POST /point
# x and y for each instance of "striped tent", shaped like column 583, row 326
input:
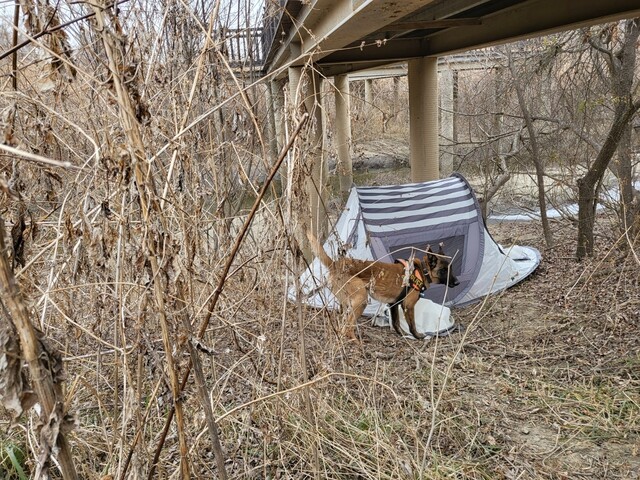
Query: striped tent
column 389, row 222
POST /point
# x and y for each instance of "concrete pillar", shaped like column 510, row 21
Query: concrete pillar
column 290, row 187
column 396, row 93
column 305, row 93
column 447, row 128
column 423, row 119
column 296, row 96
column 343, row 134
column 275, row 91
column 317, row 181
column 272, row 138
column 498, row 120
column 277, row 98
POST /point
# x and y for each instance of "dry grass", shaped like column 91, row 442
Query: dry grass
column 543, row 384
column 125, row 263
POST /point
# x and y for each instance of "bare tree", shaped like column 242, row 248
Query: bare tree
column 618, row 45
column 536, row 154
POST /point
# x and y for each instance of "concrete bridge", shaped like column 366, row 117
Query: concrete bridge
column 325, row 39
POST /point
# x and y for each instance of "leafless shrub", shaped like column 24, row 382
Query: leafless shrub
column 142, row 253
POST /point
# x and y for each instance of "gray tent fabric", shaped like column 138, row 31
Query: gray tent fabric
column 389, row 222
column 401, row 218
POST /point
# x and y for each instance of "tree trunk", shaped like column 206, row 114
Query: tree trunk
column 535, row 154
column 623, row 170
column 586, row 185
column 622, row 70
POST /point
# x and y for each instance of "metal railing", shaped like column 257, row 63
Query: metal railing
column 250, row 47
column 244, row 47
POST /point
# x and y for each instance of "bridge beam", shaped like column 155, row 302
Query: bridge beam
column 332, row 24
column 423, row 119
column 521, row 20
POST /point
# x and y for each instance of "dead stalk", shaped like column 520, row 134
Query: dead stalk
column 211, row 305
column 202, row 387
column 305, row 376
column 41, row 361
column 149, row 205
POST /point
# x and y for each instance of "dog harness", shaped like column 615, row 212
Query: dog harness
column 416, row 280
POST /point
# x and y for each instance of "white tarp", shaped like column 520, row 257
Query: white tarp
column 500, row 271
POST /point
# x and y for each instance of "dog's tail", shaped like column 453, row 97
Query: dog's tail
column 318, row 250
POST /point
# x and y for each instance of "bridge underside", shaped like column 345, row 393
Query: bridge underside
column 339, row 37
column 349, row 35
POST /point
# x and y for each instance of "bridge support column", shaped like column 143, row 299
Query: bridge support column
column 275, row 97
column 423, row 119
column 368, row 95
column 308, row 90
column 272, row 138
column 447, row 87
column 316, row 185
column 343, row 134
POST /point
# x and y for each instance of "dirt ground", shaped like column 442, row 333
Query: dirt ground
column 542, row 383
column 550, row 368
column 552, row 364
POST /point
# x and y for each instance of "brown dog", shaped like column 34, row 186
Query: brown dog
column 350, row 280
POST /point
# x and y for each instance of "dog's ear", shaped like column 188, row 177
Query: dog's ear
column 432, row 260
column 441, row 251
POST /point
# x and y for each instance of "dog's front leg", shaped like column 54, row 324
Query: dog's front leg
column 395, row 318
column 409, row 312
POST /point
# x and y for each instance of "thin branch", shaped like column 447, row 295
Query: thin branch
column 32, row 157
column 18, row 46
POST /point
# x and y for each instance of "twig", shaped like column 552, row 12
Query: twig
column 18, row 46
column 202, row 388
column 32, row 157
